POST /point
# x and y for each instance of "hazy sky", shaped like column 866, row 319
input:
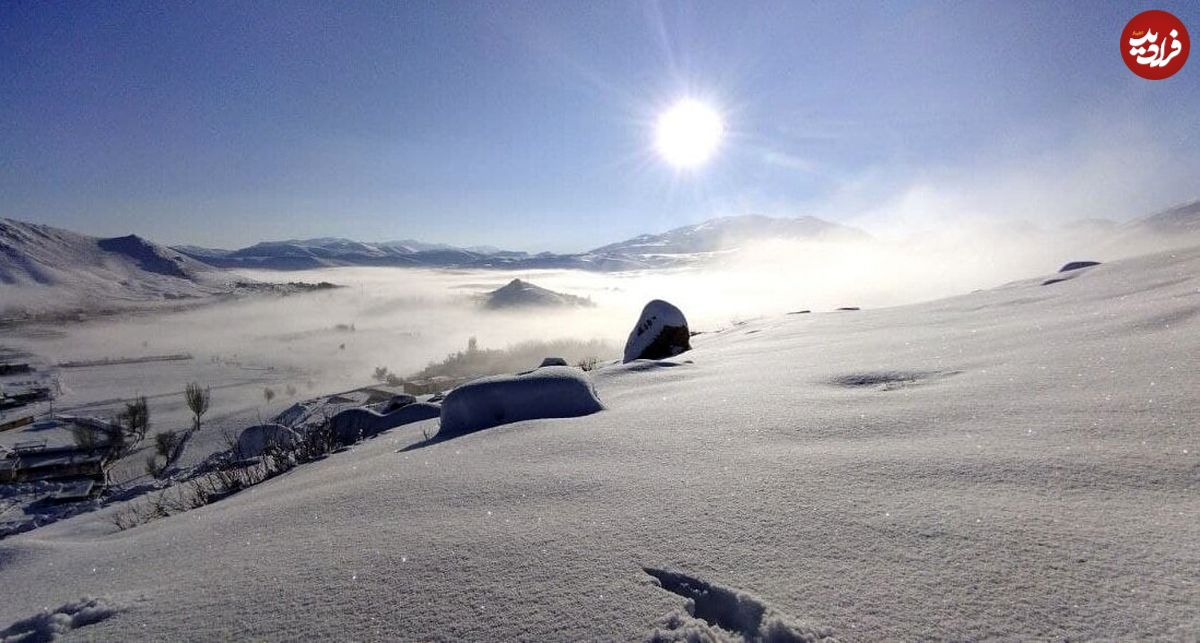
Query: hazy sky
column 529, row 125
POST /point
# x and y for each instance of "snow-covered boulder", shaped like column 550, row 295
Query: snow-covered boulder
column 553, row 361
column 353, row 425
column 661, row 331
column 254, row 440
column 550, row 392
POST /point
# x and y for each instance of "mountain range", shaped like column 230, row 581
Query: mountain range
column 682, row 245
column 43, row 268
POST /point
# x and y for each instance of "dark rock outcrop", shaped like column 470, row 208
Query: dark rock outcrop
column 661, row 332
column 1076, row 265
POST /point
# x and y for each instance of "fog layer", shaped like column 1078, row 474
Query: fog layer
column 405, row 318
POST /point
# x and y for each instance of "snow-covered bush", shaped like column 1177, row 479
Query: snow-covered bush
column 256, row 439
column 353, row 425
column 550, row 392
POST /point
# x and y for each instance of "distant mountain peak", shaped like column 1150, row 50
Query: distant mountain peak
column 523, row 294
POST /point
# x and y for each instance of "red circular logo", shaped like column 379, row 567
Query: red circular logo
column 1155, row 45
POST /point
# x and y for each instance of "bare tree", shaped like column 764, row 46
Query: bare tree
column 165, row 446
column 197, row 401
column 127, row 430
column 136, row 420
column 165, row 443
column 268, row 394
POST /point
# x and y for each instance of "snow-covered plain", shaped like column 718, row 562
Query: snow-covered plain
column 1020, row 462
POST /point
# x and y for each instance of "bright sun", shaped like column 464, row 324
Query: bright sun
column 688, row 133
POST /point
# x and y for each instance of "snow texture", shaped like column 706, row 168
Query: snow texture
column 549, row 392
column 48, row 626
column 1047, row 491
column 661, row 331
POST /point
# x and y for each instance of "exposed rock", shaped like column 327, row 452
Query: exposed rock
column 553, row 361
column 661, row 332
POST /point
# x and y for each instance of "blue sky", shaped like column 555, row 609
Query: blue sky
column 529, row 125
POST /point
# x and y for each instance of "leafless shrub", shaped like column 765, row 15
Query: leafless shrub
column 165, row 443
column 153, row 468
column 197, row 401
column 224, row 481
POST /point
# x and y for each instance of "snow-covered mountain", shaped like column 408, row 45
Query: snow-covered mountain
column 43, row 269
column 303, row 254
column 728, row 233
column 687, row 244
column 411, row 246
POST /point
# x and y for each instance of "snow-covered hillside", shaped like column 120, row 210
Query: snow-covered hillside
column 1016, row 463
column 46, row 269
column 1181, row 220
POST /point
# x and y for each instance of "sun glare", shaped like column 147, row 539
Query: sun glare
column 688, row 133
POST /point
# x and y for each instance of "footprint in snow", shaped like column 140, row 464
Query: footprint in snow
column 719, row 614
column 888, row 380
column 48, row 626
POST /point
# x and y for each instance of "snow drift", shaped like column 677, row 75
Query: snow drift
column 549, row 392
